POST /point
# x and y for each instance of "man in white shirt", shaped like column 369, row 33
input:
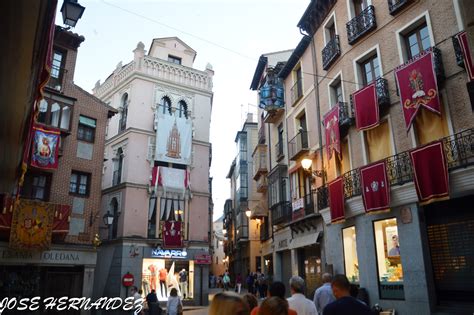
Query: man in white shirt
column 298, row 301
column 323, row 295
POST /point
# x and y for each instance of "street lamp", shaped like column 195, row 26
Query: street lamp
column 108, row 221
column 248, row 213
column 224, row 231
column 306, row 163
column 72, row 12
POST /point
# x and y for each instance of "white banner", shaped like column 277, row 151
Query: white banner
column 172, row 179
column 173, row 138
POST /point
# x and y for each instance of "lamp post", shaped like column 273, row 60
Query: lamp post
column 72, row 12
column 306, row 163
column 248, row 213
column 108, row 221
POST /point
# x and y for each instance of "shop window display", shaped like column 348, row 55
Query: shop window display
column 162, row 275
column 388, row 259
column 351, row 262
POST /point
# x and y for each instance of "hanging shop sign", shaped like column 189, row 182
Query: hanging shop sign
column 203, row 259
column 169, row 253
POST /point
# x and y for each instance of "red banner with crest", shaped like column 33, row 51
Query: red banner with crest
column 45, row 148
column 375, row 187
column 431, row 173
column 418, row 87
column 336, row 200
column 466, row 53
column 366, row 107
column 331, row 127
column 172, row 234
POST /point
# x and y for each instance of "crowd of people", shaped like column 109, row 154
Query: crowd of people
column 334, row 297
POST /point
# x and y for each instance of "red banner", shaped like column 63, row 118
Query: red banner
column 331, row 127
column 6, row 213
column 366, row 107
column 172, row 236
column 430, row 172
column 417, row 84
column 336, row 200
column 468, row 63
column 375, row 187
column 61, row 221
column 45, row 148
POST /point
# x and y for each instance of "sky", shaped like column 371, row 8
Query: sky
column 229, row 34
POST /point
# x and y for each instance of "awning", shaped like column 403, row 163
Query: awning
column 305, row 240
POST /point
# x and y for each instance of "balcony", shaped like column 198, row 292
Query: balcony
column 361, row 24
column 117, row 177
column 264, row 230
column 279, row 154
column 272, row 95
column 298, row 145
column 296, row 91
column 381, row 89
column 395, row 6
column 458, row 52
column 281, row 212
column 345, row 115
column 331, row 52
column 259, row 161
column 262, row 184
column 56, row 80
column 458, row 148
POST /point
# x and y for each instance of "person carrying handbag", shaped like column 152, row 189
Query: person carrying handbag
column 174, row 306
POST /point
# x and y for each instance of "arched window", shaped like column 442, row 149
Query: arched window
column 117, row 177
column 123, row 113
column 183, row 109
column 115, row 212
column 165, row 103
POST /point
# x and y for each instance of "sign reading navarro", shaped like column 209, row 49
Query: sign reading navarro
column 168, row 253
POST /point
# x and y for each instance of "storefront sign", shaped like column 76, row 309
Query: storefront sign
column 283, row 244
column 47, row 257
column 203, row 259
column 168, row 253
column 392, row 291
column 128, row 280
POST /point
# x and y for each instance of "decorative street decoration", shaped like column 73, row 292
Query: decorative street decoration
column 366, row 107
column 331, row 127
column 336, row 200
column 172, row 237
column 45, row 148
column 375, row 187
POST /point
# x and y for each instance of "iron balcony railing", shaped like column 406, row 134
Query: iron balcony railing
column 331, row 52
column 381, row 89
column 308, row 203
column 117, row 177
column 279, row 150
column 361, row 24
column 56, row 80
column 281, row 212
column 345, row 115
column 458, row 51
column 394, row 6
column 458, row 149
column 296, row 91
column 298, row 145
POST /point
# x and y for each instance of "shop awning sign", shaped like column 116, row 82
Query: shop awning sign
column 203, row 259
column 168, row 253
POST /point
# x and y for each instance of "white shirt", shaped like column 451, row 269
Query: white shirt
column 302, row 305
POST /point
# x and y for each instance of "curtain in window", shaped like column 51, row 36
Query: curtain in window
column 430, row 126
column 378, row 142
column 55, row 111
column 65, row 117
column 343, row 161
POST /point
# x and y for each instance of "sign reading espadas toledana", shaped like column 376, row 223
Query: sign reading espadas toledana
column 127, row 280
column 203, row 259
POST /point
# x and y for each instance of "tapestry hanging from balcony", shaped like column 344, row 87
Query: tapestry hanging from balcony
column 32, row 225
column 375, row 187
column 416, row 81
column 6, row 202
column 336, row 200
column 430, row 172
column 173, row 138
column 466, row 53
column 61, row 221
column 366, row 107
column 172, row 235
column 45, row 148
column 331, row 128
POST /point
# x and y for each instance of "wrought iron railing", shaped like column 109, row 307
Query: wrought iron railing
column 458, row 52
column 383, row 95
column 308, row 203
column 298, row 144
column 438, row 65
column 281, row 212
column 279, row 150
column 117, row 177
column 296, row 91
column 345, row 114
column 459, row 152
column 394, row 6
column 330, row 52
column 361, row 24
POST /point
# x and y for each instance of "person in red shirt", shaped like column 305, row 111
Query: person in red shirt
column 163, row 274
column 277, row 289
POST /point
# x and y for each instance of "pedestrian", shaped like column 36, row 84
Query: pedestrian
column 174, row 305
column 137, row 299
column 238, row 282
column 228, row 303
column 262, row 285
column 298, row 301
column 323, row 295
column 226, row 281
column 183, row 282
column 277, row 289
column 345, row 303
column 152, row 302
column 274, row 306
column 251, row 301
column 249, row 281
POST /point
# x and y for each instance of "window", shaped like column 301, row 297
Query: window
column 58, row 59
column 174, row 59
column 165, row 103
column 86, row 129
column 123, row 113
column 330, row 31
column 336, row 94
column 303, row 130
column 417, row 40
column 118, row 165
column 389, row 265
column 79, row 183
column 280, row 141
column 54, row 113
column 183, row 109
column 370, row 69
column 351, row 262
column 36, row 186
column 359, row 6
column 299, row 82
